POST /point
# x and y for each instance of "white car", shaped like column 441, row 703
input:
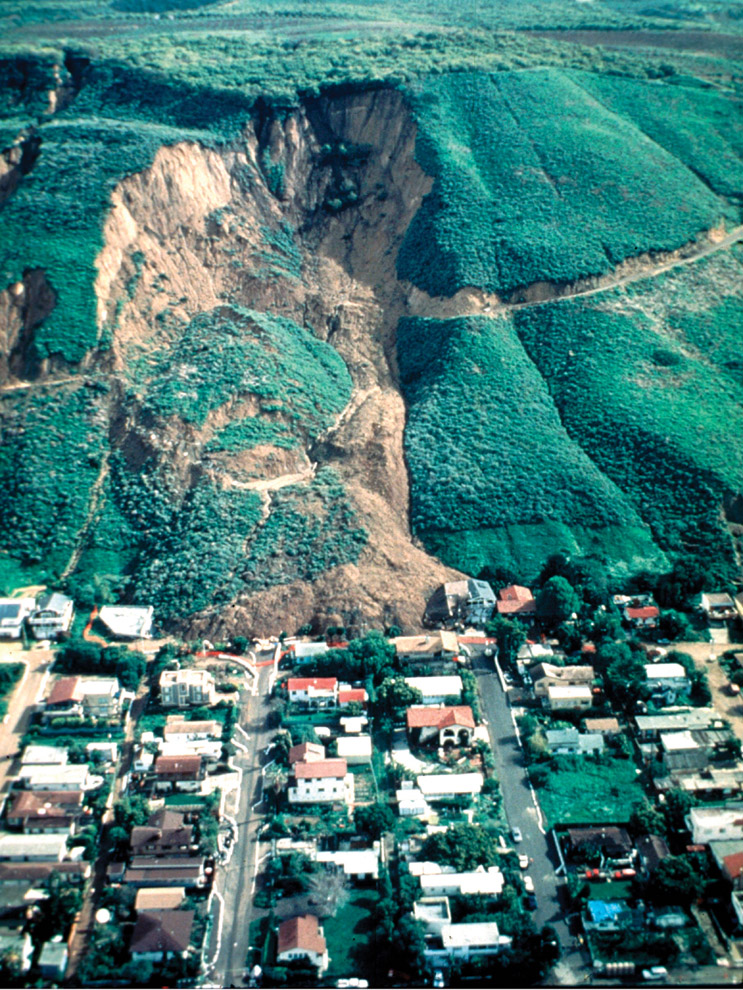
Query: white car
column 438, row 978
column 528, row 885
column 523, row 861
column 655, row 973
column 516, row 833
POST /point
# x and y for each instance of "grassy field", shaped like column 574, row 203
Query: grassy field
column 347, row 934
column 590, row 792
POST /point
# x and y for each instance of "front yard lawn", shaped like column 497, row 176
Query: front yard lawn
column 589, row 791
column 347, row 934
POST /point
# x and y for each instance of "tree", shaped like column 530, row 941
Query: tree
column 131, row 811
column 57, row 911
column 509, row 636
column 646, row 819
column 626, row 680
column 374, row 819
column 674, row 881
column 464, row 847
column 330, row 890
column 557, row 601
column 674, row 625
column 373, row 655
column 605, row 627
column 394, row 697
column 675, row 809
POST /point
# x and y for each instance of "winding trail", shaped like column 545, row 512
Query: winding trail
column 472, row 302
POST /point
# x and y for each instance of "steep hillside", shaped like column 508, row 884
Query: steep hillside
column 273, row 356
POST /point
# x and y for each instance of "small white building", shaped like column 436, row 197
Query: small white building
column 716, row 822
column 128, row 621
column 666, row 679
column 43, row 847
column 466, row 941
column 437, row 690
column 187, row 688
column 435, row 786
column 72, row 777
column 569, row 697
column 101, row 697
column 357, row 864
column 315, row 692
column 39, row 756
column 410, row 801
column 306, row 651
column 475, row 883
column 355, row 749
column 563, row 742
column 321, row 782
column 13, row 613
column 178, row 730
column 52, row 617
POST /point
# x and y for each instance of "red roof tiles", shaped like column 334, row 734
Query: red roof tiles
column 316, row 683
column 300, row 933
column 440, row 718
column 320, row 768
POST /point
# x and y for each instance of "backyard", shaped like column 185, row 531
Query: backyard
column 589, row 791
column 348, row 934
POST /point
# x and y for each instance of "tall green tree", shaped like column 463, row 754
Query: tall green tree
column 557, row 601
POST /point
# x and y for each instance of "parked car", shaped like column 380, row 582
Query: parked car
column 528, row 885
column 438, row 979
column 523, row 861
column 516, row 833
column 655, row 974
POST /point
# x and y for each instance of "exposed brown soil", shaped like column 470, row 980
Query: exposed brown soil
column 197, row 223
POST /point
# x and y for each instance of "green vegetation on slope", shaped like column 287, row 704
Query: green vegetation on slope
column 233, row 351
column 645, row 378
column 535, row 179
column 50, row 457
column 492, row 468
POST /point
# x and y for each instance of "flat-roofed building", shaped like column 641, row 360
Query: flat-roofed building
column 437, row 690
column 435, row 786
column 187, row 688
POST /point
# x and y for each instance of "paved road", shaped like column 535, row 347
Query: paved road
column 235, row 883
column 521, row 811
column 21, row 704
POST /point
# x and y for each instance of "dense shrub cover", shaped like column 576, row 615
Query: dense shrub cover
column 535, row 179
column 491, row 464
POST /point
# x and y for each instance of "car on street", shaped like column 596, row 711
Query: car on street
column 438, row 979
column 516, row 833
column 528, row 885
column 523, row 861
column 655, row 974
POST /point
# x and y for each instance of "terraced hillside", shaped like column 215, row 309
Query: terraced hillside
column 300, row 316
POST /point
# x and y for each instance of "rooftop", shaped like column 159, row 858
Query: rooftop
column 440, row 718
column 162, row 931
column 302, row 932
column 320, row 768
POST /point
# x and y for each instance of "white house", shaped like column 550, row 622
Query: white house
column 437, row 690
column 49, row 847
column 39, row 756
column 13, row 613
column 666, row 679
column 178, row 730
column 355, row 749
column 435, row 786
column 410, row 801
column 569, row 697
column 73, row 777
column 128, row 621
column 718, row 607
column 358, row 864
column 321, row 782
column 454, row 725
column 474, row 883
column 53, row 616
column 708, row 824
column 465, row 941
column 187, row 688
column 316, row 692
column 572, row 742
column 302, row 938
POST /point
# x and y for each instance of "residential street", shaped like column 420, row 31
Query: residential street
column 21, row 702
column 235, row 883
column 521, row 812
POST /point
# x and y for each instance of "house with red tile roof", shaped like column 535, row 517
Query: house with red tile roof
column 302, row 938
column 321, row 782
column 347, row 695
column 515, row 600
column 315, row 692
column 453, row 725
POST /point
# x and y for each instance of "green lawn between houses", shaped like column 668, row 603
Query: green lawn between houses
column 348, row 932
column 595, row 792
